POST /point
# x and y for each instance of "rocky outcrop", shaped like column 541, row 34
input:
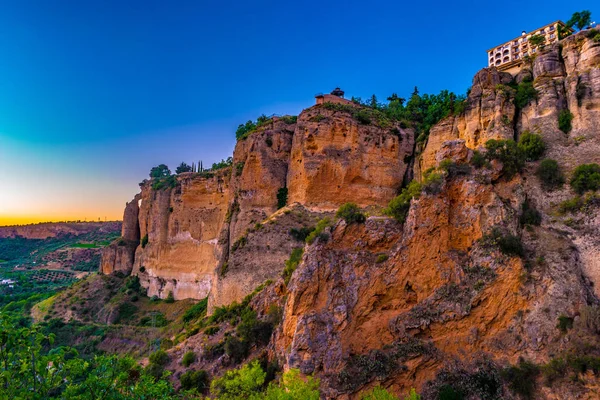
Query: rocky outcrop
column 181, row 226
column 260, row 166
column 336, row 159
column 489, row 114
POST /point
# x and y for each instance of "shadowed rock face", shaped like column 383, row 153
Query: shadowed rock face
column 335, row 160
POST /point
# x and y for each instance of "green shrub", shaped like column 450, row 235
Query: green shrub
column 525, row 94
column 478, row 160
column 154, row 370
column 379, row 393
column 318, row 232
column 432, row 182
column 211, row 330
column 126, row 311
column 300, row 234
column 188, row 358
column 550, row 174
column 196, row 311
column 507, row 243
column 398, row 207
column 571, row 205
column 239, row 168
column 240, row 243
column 236, row 349
column 292, row 263
column 529, row 215
column 564, row 323
column 282, row 196
column 144, row 241
column 532, row 146
column 241, row 383
column 381, row 258
column 586, row 177
column 453, row 169
column 564, row 121
column 508, row 153
column 159, row 357
column 521, row 378
column 350, row 212
column 195, row 380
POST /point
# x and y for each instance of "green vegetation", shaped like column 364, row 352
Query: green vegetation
column 170, row 298
column 292, row 263
column 529, row 215
column 245, row 130
column 379, row 393
column 300, row 234
column 507, row 243
column 580, row 19
column 564, row 323
column 537, row 40
column 144, row 241
column 250, row 382
column 161, row 171
column 452, row 169
column 550, row 174
column 183, row 167
column 564, row 120
column 282, row 196
column 586, row 177
column 222, row 164
column 531, row 145
column 318, row 232
column 239, row 168
column 196, row 311
column 508, row 153
column 521, row 378
column 525, row 93
column 350, row 212
column 381, row 258
column 27, row 353
column 399, row 205
column 197, row 380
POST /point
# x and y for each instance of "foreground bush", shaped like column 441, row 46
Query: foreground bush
column 248, row 382
column 197, row 380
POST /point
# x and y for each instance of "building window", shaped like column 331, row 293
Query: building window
column 552, row 36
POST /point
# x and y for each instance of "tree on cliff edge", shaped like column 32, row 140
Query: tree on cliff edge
column 160, row 172
column 183, row 167
column 580, row 19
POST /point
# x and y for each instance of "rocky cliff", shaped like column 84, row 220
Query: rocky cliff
column 471, row 280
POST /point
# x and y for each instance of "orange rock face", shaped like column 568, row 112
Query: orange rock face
column 182, row 226
column 335, row 160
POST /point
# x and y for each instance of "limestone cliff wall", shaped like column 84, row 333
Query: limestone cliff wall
column 182, row 226
column 335, row 159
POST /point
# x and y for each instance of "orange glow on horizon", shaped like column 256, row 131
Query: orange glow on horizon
column 7, row 220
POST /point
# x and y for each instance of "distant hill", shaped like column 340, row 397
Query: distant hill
column 53, row 229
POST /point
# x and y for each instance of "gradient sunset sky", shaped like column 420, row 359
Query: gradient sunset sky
column 95, row 93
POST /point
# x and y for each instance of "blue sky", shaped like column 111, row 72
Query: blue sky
column 95, row 93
